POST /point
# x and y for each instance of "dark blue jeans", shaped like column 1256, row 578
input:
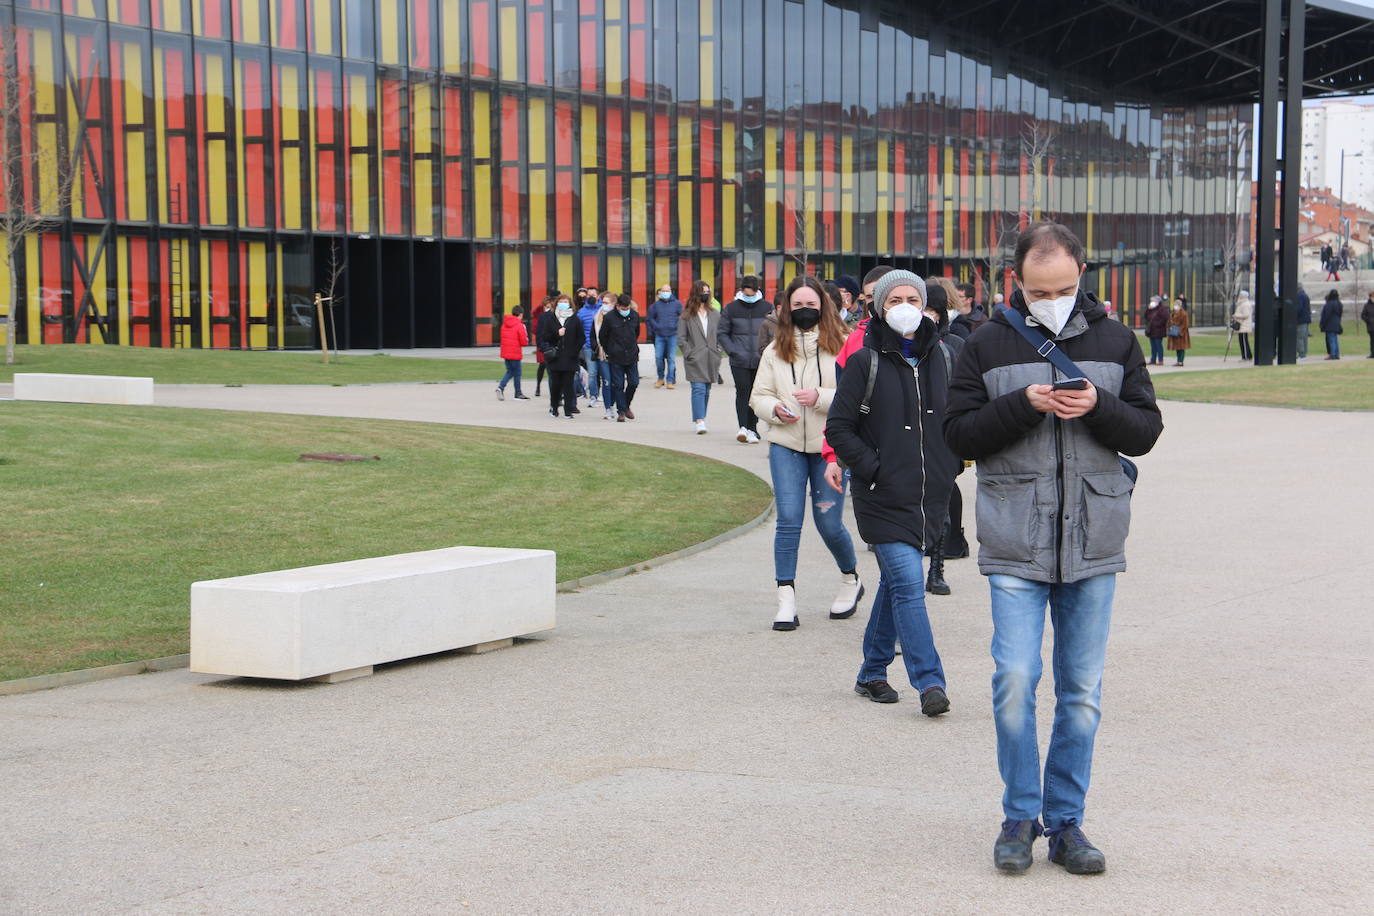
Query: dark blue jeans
column 1333, row 344
column 624, row 382
column 1156, row 349
column 792, row 473
column 513, row 370
column 899, row 612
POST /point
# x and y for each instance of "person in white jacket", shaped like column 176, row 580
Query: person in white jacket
column 792, row 392
column 1243, row 320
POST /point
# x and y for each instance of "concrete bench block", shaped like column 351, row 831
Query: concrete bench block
column 85, row 389
column 335, row 621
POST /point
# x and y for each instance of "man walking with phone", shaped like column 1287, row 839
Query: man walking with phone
column 1053, row 510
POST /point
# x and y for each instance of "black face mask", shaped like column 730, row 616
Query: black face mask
column 806, row 318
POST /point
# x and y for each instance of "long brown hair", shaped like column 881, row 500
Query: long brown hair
column 831, row 328
column 696, row 302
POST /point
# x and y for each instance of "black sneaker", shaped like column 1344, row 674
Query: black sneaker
column 1071, row 849
column 934, row 702
column 1012, row 851
column 877, row 691
column 520, row 397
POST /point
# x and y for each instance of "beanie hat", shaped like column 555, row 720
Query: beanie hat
column 893, row 279
column 846, row 282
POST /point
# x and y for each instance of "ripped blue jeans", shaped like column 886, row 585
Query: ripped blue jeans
column 792, row 472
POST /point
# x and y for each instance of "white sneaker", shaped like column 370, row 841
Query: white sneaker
column 500, row 394
column 847, row 599
column 742, row 435
column 787, row 609
column 701, row 427
column 608, row 415
column 751, row 437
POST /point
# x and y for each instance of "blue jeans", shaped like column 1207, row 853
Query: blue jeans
column 899, row 612
column 1333, row 344
column 665, row 351
column 1156, row 349
column 513, row 370
column 701, row 397
column 792, row 471
column 1303, row 331
column 601, row 371
column 1081, row 613
column 593, row 375
column 624, row 381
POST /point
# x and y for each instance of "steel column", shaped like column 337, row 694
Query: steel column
column 1265, row 200
column 1289, row 268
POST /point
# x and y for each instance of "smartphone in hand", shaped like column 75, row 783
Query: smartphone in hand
column 1070, row 384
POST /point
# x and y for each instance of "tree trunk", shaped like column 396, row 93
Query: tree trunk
column 10, row 328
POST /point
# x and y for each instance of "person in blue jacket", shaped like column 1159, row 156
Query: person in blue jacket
column 662, row 324
column 595, row 367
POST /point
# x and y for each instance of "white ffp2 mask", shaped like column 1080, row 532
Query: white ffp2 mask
column 1053, row 313
column 904, row 318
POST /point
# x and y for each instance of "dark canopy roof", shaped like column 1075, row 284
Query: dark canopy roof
column 1201, row 50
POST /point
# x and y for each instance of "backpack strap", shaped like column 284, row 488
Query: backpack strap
column 949, row 361
column 1042, row 344
column 868, row 385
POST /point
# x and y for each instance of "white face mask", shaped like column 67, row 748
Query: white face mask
column 904, row 318
column 1053, row 313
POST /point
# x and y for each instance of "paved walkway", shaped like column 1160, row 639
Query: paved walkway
column 664, row 751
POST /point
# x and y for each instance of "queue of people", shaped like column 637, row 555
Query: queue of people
column 885, row 392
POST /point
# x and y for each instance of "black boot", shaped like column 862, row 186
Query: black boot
column 935, row 580
column 955, row 545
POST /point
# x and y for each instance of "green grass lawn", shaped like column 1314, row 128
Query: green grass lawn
column 112, row 512
column 1347, row 384
column 246, row 367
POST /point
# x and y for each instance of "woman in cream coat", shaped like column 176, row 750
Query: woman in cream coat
column 792, row 392
column 1244, row 319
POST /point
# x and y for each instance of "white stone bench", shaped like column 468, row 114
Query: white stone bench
column 86, row 389
column 334, row 622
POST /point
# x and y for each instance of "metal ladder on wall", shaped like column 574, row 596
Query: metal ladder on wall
column 181, row 320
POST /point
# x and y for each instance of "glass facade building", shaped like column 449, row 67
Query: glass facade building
column 463, row 156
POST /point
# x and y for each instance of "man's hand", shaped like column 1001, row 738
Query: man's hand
column 1039, row 397
column 1070, row 404
column 807, row 397
column 834, row 475
column 560, row 331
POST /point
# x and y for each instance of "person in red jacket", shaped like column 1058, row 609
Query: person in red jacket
column 514, row 338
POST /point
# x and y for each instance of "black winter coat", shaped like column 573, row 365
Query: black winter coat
column 738, row 332
column 1332, row 312
column 620, row 338
column 567, row 349
column 1157, row 321
column 902, row 469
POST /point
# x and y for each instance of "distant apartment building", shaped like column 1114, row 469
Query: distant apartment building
column 1327, row 130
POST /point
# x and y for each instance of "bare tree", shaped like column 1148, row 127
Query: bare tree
column 1233, row 274
column 336, row 269
column 37, row 179
column 1008, row 214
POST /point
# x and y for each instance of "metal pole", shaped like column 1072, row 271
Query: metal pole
column 1289, row 275
column 1268, row 176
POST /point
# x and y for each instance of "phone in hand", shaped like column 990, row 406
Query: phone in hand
column 787, row 411
column 1070, row 384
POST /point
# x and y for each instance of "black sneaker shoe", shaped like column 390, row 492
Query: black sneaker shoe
column 1071, row 849
column 521, row 397
column 934, row 702
column 1012, row 851
column 877, row 691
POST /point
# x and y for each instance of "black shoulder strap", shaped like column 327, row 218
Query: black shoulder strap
column 949, row 361
column 868, row 386
column 1042, row 344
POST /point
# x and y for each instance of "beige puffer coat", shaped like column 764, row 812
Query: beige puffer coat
column 776, row 383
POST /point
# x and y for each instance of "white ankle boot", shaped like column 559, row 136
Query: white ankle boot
column 787, row 609
column 847, row 600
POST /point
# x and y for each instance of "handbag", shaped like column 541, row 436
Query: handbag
column 1177, row 331
column 1235, row 325
column 1050, row 351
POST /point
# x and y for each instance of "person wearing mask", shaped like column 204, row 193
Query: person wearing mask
column 1053, row 515
column 851, row 309
column 1303, row 306
column 514, row 339
column 662, row 324
column 1367, row 316
column 1333, row 311
column 1156, row 329
column 936, row 308
column 560, row 340
column 586, row 315
column 620, row 342
column 1178, row 330
column 969, row 315
column 603, row 368
column 738, row 334
column 696, row 328
column 1243, row 323
column 852, row 344
column 902, row 472
column 792, row 391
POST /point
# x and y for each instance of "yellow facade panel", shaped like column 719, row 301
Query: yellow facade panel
column 727, row 216
column 615, row 60
column 591, row 139
column 684, row 212
column 639, row 211
column 511, row 41
column 685, row 146
column 539, row 193
column 639, row 142
column 481, row 125
column 423, row 182
column 481, row 201
column 538, row 134
column 590, row 211
column 511, row 280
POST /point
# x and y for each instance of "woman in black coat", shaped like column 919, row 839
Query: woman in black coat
column 1332, row 313
column 560, row 338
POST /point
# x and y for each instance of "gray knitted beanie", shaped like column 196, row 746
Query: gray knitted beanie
column 893, row 279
